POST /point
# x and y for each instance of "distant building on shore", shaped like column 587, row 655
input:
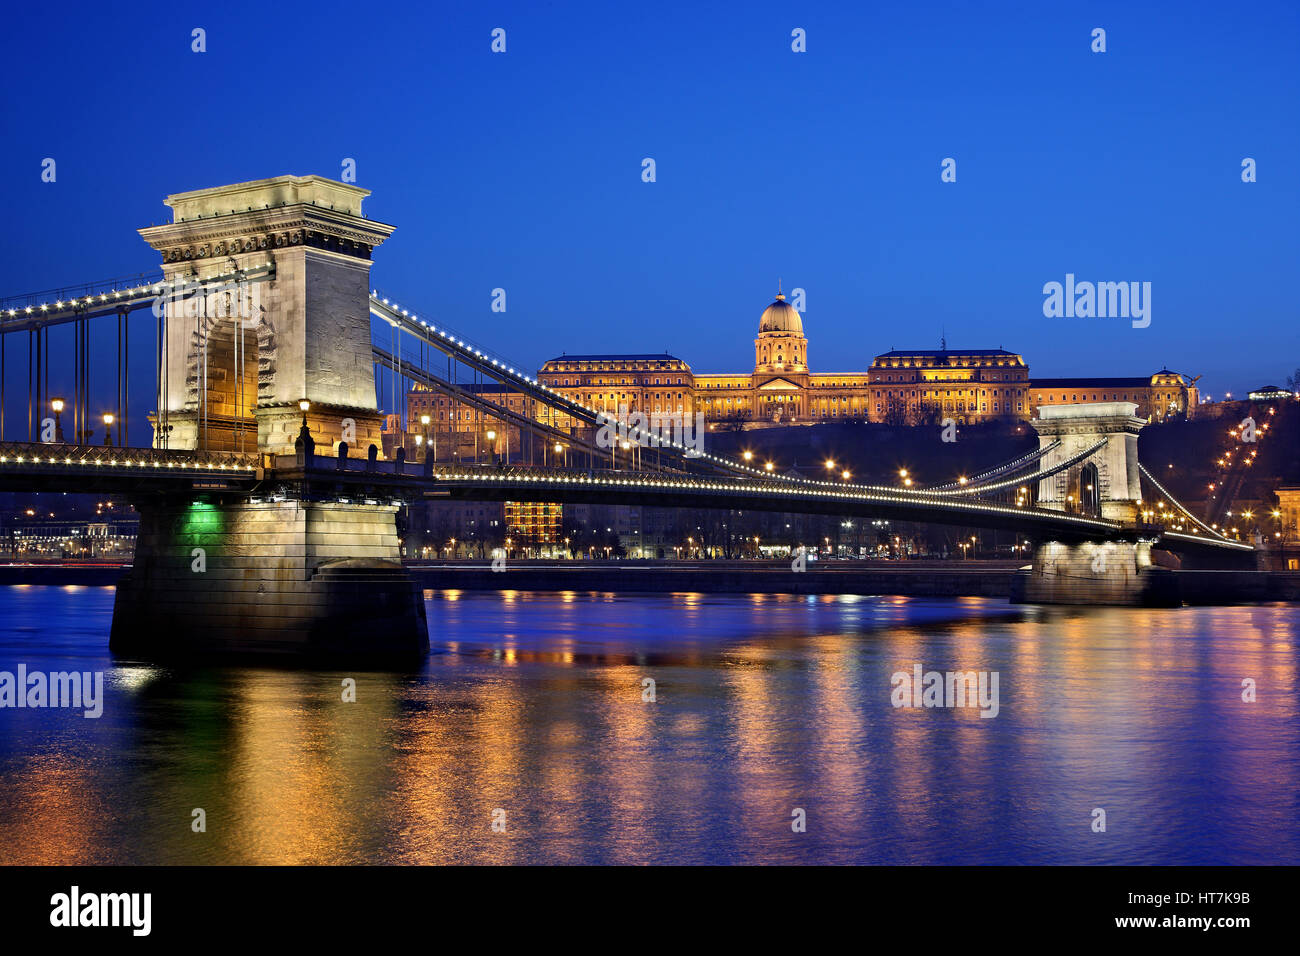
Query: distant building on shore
column 1271, row 393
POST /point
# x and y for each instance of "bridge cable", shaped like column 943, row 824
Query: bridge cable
column 1037, row 476
column 1178, row 504
column 998, row 471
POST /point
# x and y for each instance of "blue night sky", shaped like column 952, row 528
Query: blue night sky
column 523, row 170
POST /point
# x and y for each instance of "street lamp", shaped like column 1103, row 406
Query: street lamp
column 830, row 464
column 769, row 466
column 303, row 405
column 57, row 405
column 108, row 428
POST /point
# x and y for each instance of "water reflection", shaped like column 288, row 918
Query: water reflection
column 532, row 704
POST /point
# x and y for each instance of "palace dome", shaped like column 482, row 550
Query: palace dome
column 780, row 316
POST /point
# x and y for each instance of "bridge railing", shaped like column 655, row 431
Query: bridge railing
column 59, row 453
column 81, row 291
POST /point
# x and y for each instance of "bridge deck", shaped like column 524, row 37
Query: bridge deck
column 53, row 467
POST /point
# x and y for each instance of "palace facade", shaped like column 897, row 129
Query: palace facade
column 1162, row 396
column 901, row 386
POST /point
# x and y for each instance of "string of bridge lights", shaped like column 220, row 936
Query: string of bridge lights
column 130, row 294
column 892, row 496
column 1178, row 504
column 970, row 484
column 127, row 463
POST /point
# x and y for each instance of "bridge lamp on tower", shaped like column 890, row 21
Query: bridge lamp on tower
column 108, row 428
column 57, row 405
column 305, row 446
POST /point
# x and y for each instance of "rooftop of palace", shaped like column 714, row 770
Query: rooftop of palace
column 617, row 357
column 1139, row 382
column 947, row 356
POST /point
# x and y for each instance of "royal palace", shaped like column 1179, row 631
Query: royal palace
column 901, row 386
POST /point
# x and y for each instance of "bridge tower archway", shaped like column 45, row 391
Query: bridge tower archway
column 231, row 370
column 1090, row 490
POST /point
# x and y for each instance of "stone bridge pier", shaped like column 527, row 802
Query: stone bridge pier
column 291, row 570
column 1107, row 485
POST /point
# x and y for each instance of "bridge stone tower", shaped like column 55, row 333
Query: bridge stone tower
column 300, row 568
column 1106, row 484
column 239, row 358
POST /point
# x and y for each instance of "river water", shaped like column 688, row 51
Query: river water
column 771, row 714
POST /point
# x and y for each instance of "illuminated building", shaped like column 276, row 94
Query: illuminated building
column 902, row 386
column 1271, row 393
column 653, row 384
column 921, row 386
column 1162, row 396
column 906, row 387
column 462, row 431
column 533, row 526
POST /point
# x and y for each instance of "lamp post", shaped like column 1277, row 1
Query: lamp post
column 108, row 429
column 492, row 444
column 424, row 424
column 57, row 405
